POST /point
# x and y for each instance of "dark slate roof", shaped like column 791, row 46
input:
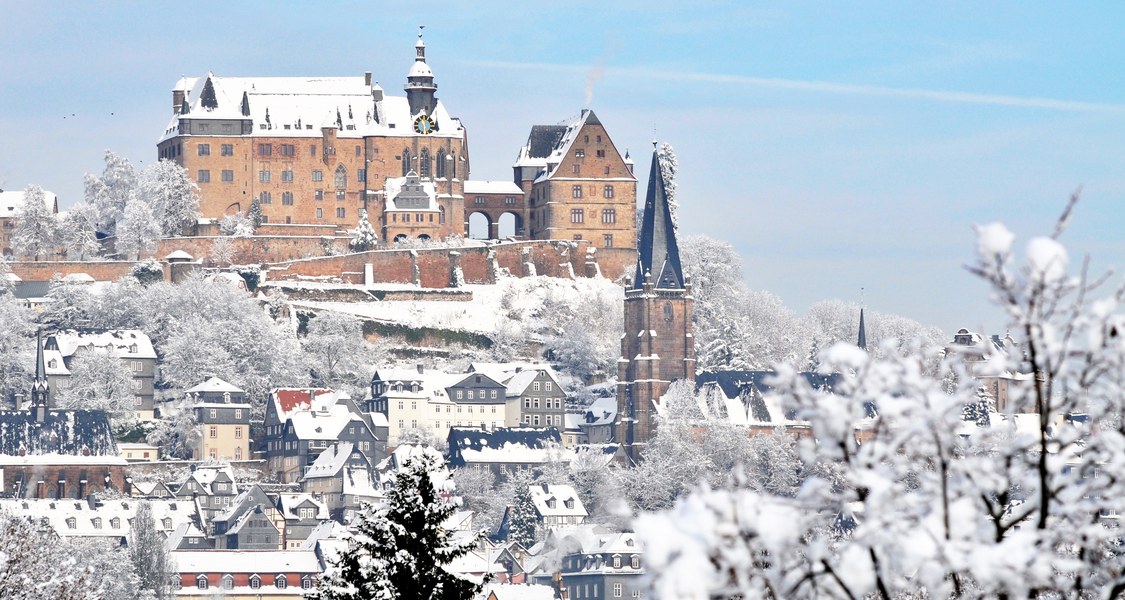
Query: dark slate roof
column 70, row 432
column 752, row 384
column 543, row 140
column 477, row 439
column 658, row 251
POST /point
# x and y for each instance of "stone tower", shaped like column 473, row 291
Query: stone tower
column 420, row 86
column 658, row 346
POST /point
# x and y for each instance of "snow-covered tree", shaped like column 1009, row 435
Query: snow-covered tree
column 177, row 433
column 400, row 548
column 147, row 272
column 523, row 522
column 110, row 574
column 666, row 158
column 222, row 251
column 923, row 507
column 35, row 563
column 78, row 232
column 99, row 381
column 150, row 559
column 363, row 236
column 139, row 231
column 171, row 193
column 68, row 305
column 112, row 191
column 17, row 348
column 254, row 213
column 978, row 411
column 36, row 231
column 337, row 354
column 238, row 225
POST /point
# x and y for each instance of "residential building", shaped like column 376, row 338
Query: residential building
column 133, row 347
column 212, row 487
column 316, row 150
column 602, row 567
column 535, row 390
column 974, row 351
column 658, row 345
column 312, row 422
column 224, row 421
column 302, row 513
column 578, row 185
column 10, row 204
column 597, row 423
column 342, row 476
column 251, row 522
column 91, row 518
column 139, row 452
column 245, row 575
column 557, row 505
column 188, row 537
column 438, row 401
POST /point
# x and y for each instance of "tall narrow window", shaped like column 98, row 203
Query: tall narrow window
column 341, row 177
column 439, row 168
column 576, row 191
column 424, row 164
column 405, row 161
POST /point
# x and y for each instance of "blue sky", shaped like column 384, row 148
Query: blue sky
column 836, row 145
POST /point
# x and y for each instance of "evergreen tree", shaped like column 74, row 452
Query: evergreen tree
column 36, row 226
column 977, row 411
column 522, row 520
column 401, row 548
column 363, row 236
column 254, row 213
column 151, row 561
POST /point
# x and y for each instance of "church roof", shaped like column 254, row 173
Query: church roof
column 862, row 341
column 659, row 254
column 74, row 433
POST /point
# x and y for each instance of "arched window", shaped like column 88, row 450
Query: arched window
column 281, row 582
column 439, row 168
column 405, row 161
column 341, row 177
column 424, row 164
column 452, row 165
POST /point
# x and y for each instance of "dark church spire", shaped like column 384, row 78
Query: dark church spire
column 39, row 386
column 862, row 341
column 658, row 250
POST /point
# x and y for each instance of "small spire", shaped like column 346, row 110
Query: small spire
column 862, row 341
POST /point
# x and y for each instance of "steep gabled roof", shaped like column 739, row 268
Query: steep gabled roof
column 659, row 254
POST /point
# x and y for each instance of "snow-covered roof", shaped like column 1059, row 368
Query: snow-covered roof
column 206, row 475
column 246, row 561
column 289, row 503
column 78, row 278
column 63, row 437
column 553, row 500
column 491, row 187
column 10, row 202
column 179, row 255
column 300, row 106
column 182, row 531
column 215, row 385
column 126, row 343
column 521, row 591
column 410, row 193
column 330, row 461
column 602, row 411
column 106, row 519
column 288, row 400
column 323, row 422
column 54, row 364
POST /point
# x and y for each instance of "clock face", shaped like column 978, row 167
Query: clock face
column 424, row 125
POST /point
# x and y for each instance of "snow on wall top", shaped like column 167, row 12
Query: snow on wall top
column 491, row 187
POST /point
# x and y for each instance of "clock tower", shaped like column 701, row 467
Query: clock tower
column 658, row 346
column 420, row 86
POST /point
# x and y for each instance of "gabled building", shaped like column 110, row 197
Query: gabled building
column 212, row 487
column 302, row 514
column 659, row 344
column 577, row 184
column 240, row 574
column 309, row 427
column 601, row 566
column 342, row 477
column 252, row 522
column 535, row 389
column 438, row 401
column 133, row 347
column 92, row 518
column 557, row 505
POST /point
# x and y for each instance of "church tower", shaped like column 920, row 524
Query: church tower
column 658, row 346
column 420, row 86
column 40, row 390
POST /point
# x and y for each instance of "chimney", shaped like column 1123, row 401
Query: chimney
column 367, row 78
column 421, row 368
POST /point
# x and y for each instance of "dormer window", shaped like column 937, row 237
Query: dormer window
column 166, row 522
column 255, row 582
column 569, row 503
column 306, row 582
column 616, row 562
column 201, row 582
column 281, row 582
column 115, row 523
column 636, row 562
column 228, row 582
column 97, row 521
column 71, row 523
column 551, row 503
column 52, row 363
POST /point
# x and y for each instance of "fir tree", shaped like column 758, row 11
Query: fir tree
column 400, row 549
column 363, row 236
column 522, row 519
column 254, row 213
column 977, row 411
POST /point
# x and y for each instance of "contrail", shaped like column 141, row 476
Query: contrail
column 826, row 87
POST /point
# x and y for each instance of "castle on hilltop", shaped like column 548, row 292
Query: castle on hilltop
column 317, row 150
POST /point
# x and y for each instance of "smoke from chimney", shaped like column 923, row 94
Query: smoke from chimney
column 596, row 72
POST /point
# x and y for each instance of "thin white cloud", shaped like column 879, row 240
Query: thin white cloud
column 824, row 87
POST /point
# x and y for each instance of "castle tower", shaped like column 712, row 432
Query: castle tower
column 420, row 86
column 658, row 346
